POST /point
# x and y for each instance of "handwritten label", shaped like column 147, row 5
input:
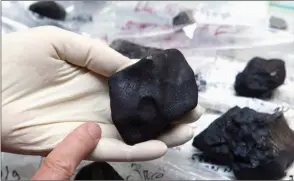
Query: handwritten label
column 9, row 174
column 207, row 164
column 222, row 169
column 144, row 174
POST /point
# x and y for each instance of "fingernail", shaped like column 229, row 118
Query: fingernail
column 94, row 131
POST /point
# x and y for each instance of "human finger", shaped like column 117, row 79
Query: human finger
column 62, row 161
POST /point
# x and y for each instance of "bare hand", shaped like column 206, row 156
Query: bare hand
column 61, row 163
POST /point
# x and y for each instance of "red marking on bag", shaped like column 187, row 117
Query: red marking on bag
column 143, row 25
column 223, row 29
column 132, row 24
column 172, row 9
column 166, row 27
column 145, row 8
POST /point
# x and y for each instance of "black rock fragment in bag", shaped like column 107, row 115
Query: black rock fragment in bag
column 98, row 171
column 132, row 50
column 184, row 18
column 260, row 78
column 49, row 9
column 146, row 96
column 278, row 23
column 257, row 146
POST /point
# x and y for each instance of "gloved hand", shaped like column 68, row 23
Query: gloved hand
column 53, row 81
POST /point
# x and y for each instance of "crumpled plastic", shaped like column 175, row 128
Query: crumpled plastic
column 78, row 13
column 225, row 36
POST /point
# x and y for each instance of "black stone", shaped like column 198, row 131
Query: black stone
column 132, row 50
column 148, row 95
column 257, row 146
column 260, row 78
column 49, row 9
column 97, row 171
column 184, row 18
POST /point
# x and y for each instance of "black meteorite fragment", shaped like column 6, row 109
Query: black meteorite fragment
column 98, row 171
column 184, row 18
column 257, row 146
column 49, row 9
column 260, row 78
column 147, row 96
column 132, row 50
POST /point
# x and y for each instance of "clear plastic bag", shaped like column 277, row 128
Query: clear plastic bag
column 149, row 18
column 9, row 25
column 173, row 166
column 219, row 25
column 77, row 13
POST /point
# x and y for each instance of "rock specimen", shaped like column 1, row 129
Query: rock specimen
column 98, row 171
column 260, row 78
column 278, row 23
column 49, row 9
column 148, row 95
column 184, row 18
column 257, row 146
column 132, row 50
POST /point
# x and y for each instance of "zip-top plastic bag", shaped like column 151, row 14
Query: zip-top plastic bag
column 224, row 26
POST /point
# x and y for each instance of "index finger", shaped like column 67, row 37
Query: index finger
column 63, row 160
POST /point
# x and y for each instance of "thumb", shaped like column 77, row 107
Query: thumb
column 61, row 163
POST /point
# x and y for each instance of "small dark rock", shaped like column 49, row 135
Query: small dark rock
column 260, row 78
column 49, row 9
column 132, row 50
column 257, row 146
column 148, row 95
column 278, row 23
column 98, row 171
column 184, row 18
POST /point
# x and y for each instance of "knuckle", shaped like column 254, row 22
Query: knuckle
column 59, row 166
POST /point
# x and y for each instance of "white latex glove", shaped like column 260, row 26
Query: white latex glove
column 53, row 81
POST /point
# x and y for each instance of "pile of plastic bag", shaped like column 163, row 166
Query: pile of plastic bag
column 223, row 36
